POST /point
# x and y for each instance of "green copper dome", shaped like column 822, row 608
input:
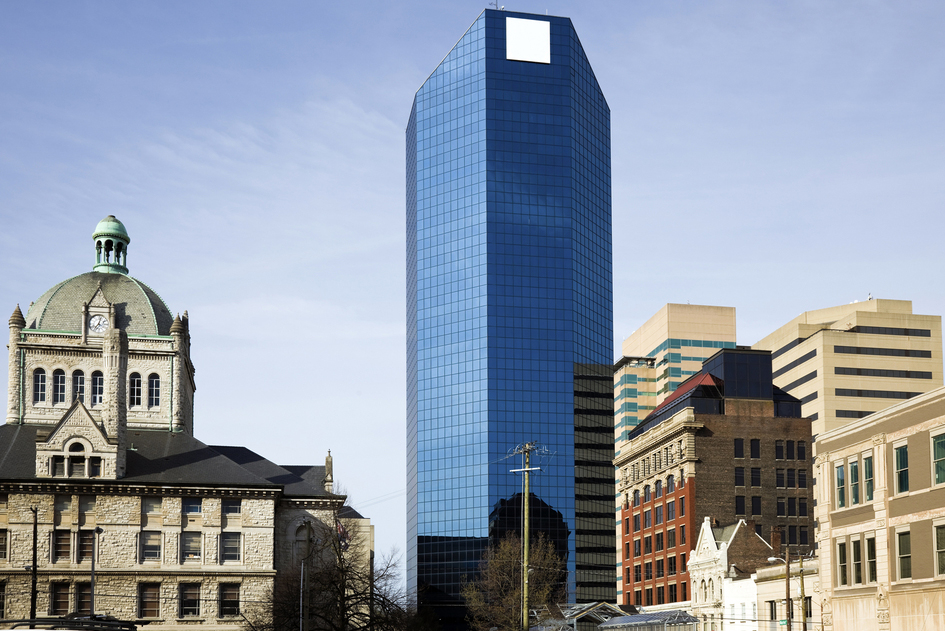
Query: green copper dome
column 111, row 246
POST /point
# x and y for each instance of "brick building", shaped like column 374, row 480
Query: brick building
column 727, row 445
column 98, row 444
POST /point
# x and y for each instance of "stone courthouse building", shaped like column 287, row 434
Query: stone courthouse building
column 98, row 445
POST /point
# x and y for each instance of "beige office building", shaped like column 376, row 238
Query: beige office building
column 881, row 518
column 665, row 351
column 850, row 361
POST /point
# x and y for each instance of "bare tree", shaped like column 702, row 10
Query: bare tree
column 494, row 599
column 337, row 585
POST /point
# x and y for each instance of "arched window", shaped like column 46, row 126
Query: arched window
column 98, row 388
column 670, row 484
column 711, row 589
column 154, row 390
column 59, row 386
column 646, row 493
column 78, row 386
column 134, row 390
column 39, row 386
column 658, row 489
column 705, row 593
column 636, row 497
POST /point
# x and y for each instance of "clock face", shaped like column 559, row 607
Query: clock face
column 98, row 324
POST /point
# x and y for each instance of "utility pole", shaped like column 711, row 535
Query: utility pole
column 787, row 585
column 525, row 450
column 803, row 600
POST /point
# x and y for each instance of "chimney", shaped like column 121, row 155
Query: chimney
column 329, row 481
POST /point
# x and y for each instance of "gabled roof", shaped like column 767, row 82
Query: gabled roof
column 172, row 459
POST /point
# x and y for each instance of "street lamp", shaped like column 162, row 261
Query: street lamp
column 787, row 589
column 97, row 531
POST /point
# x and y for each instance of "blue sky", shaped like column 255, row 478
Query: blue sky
column 775, row 157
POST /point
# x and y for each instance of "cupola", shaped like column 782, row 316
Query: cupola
column 111, row 246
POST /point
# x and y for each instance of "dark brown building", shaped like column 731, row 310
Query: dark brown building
column 727, row 445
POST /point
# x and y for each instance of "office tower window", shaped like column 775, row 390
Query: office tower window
column 659, row 541
column 779, row 450
column 854, row 483
column 59, row 386
column 739, row 505
column 190, row 547
column 791, row 481
column 682, row 563
column 647, row 545
column 189, row 599
column 868, row 477
column 756, row 506
column 739, row 447
column 636, row 547
column 792, row 507
column 62, row 545
column 647, row 495
column 150, row 546
column 636, row 522
column 802, row 507
column 83, row 598
column 841, row 487
column 86, row 545
column 636, row 498
column 58, row 599
column 842, row 563
column 739, row 476
column 902, row 468
column 940, row 550
column 670, row 484
column 659, row 568
column 801, row 450
column 637, row 573
column 658, row 489
column 671, row 566
column 782, row 507
column 792, row 535
column 626, row 550
column 78, row 386
column 756, row 476
column 682, row 506
column 659, row 595
column 638, row 598
column 789, row 450
column 904, row 553
column 803, row 535
column 39, row 386
column 857, row 562
column 938, row 458
column 134, row 390
column 648, row 571
column 682, row 534
column 649, row 597
column 647, row 519
column 683, row 587
column 755, row 448
column 658, row 510
column 229, row 599
column 671, row 510
column 149, row 600
column 672, row 589
column 671, row 538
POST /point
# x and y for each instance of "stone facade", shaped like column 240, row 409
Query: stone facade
column 98, row 445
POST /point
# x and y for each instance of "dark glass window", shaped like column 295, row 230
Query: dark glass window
column 154, row 390
column 59, row 386
column 189, row 599
column 802, row 478
column 192, row 505
column 902, row 468
column 791, row 480
column 682, row 506
column 755, row 448
column 671, row 480
column 659, row 542
column 739, row 505
column 86, row 545
column 671, row 538
column 670, row 510
column 59, row 599
column 658, row 489
column 782, row 507
column 756, row 505
column 739, row 447
column 801, row 450
column 229, row 599
column 802, row 506
column 232, row 507
column 779, row 450
column 756, row 476
column 83, row 598
column 636, row 522
column 647, row 519
column 779, row 478
column 62, row 545
column 789, row 449
column 739, row 476
column 647, row 544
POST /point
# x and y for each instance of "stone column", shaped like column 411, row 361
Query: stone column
column 17, row 322
column 115, row 408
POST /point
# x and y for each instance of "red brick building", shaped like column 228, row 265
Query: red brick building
column 726, row 445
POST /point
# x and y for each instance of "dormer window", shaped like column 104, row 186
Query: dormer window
column 77, row 463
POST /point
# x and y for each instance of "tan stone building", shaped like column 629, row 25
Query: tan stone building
column 847, row 362
column 881, row 515
column 665, row 351
column 98, row 448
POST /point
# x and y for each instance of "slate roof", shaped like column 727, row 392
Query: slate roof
column 171, row 459
column 139, row 310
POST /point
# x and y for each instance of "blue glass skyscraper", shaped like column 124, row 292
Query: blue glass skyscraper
column 509, row 306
